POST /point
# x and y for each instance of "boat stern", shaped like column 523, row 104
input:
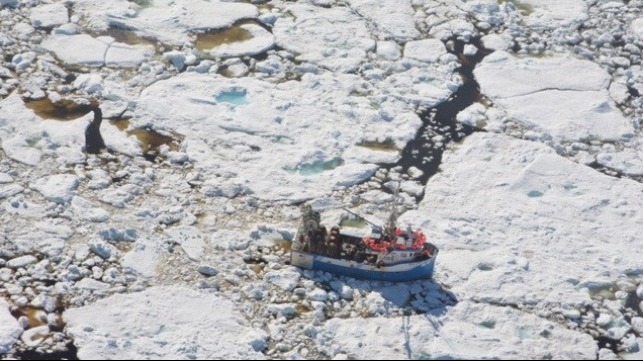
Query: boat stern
column 301, row 259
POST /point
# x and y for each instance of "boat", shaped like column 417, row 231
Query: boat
column 385, row 253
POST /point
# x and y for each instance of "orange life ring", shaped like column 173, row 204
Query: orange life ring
column 420, row 240
column 373, row 245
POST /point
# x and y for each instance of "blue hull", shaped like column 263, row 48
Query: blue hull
column 395, row 273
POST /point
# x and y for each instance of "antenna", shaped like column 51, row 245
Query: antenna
column 374, row 225
column 396, row 198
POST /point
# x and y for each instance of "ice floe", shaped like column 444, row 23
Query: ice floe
column 85, row 50
column 628, row 162
column 169, row 21
column 49, row 15
column 231, row 132
column 392, row 20
column 86, row 210
column 637, row 28
column 58, row 188
column 558, row 97
column 10, row 330
column 464, row 332
column 388, row 50
column 554, row 219
column 428, row 50
column 551, row 13
column 259, row 40
column 502, row 75
column 540, row 253
column 496, row 42
column 313, row 34
column 157, row 328
column 190, row 240
column 469, row 329
column 77, row 49
column 144, row 258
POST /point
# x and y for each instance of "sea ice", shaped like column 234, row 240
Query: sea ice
column 57, row 188
column 85, row 50
column 190, row 240
column 428, row 50
column 260, row 41
column 77, row 49
column 49, row 15
column 561, row 97
column 169, row 21
column 550, row 14
column 10, row 330
column 394, row 19
column 465, row 331
column 157, row 328
column 334, row 38
column 143, row 258
column 637, row 28
column 274, row 129
column 540, row 210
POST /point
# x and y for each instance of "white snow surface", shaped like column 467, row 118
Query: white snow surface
column 465, row 331
column 57, row 188
column 304, row 143
column 163, row 323
column 543, row 217
column 637, row 28
column 260, row 41
column 428, row 50
column 550, row 14
column 335, row 38
column 526, row 236
column 169, row 21
column 10, row 330
column 502, row 75
column 559, row 97
column 392, row 19
column 629, row 161
column 49, row 15
column 85, row 50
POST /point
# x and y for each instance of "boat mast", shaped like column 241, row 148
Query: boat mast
column 389, row 228
column 373, row 224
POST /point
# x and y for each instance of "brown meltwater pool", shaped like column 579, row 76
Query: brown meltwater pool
column 282, row 244
column 151, row 141
column 36, row 316
column 61, row 110
column 257, row 268
column 121, row 123
column 214, row 38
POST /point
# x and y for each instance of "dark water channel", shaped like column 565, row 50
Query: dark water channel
column 70, row 354
column 422, row 152
column 27, row 353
